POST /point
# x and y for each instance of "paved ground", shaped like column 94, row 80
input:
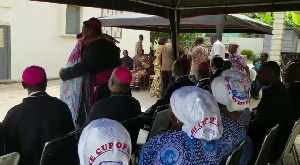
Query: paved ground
column 12, row 94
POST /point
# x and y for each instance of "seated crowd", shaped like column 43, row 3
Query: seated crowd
column 208, row 120
column 208, row 98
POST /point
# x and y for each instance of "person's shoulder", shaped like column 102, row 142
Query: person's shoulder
column 58, row 102
column 16, row 109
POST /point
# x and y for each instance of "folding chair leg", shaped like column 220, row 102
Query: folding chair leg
column 296, row 154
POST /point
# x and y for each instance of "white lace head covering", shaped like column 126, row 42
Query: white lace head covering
column 232, row 89
column 198, row 110
column 104, row 142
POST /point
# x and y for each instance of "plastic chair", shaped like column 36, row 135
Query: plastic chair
column 290, row 147
column 235, row 156
column 10, row 159
column 265, row 151
column 62, row 151
column 160, row 122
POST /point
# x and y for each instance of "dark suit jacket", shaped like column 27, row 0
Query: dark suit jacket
column 96, row 57
column 180, row 82
column 119, row 107
column 37, row 120
column 217, row 73
column 274, row 108
column 204, row 84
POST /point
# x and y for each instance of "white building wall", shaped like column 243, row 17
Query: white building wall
column 254, row 44
column 37, row 36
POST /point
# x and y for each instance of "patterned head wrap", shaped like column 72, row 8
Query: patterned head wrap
column 231, row 89
column 198, row 110
column 104, row 142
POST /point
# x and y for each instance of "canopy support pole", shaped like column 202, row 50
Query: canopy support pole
column 174, row 17
column 219, row 31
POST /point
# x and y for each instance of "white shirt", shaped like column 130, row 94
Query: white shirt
column 217, row 49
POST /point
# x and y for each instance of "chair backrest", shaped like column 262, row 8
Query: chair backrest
column 265, row 150
column 292, row 138
column 160, row 121
column 235, row 156
column 62, row 150
column 10, row 159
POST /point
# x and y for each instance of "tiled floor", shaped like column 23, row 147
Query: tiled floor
column 12, row 94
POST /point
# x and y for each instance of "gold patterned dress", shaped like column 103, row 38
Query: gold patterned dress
column 139, row 69
column 156, row 86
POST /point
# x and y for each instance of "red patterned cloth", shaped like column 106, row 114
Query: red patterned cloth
column 238, row 62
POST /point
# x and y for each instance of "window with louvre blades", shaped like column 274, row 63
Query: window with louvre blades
column 72, row 20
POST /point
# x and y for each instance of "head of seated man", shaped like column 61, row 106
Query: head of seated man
column 120, row 80
column 34, row 79
column 269, row 73
column 203, row 76
column 106, row 142
column 217, row 62
column 180, row 68
column 227, row 65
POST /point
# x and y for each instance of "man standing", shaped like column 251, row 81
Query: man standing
column 237, row 60
column 40, row 118
column 217, row 47
column 197, row 55
column 127, row 61
column 274, row 108
column 166, row 63
column 139, row 44
column 120, row 106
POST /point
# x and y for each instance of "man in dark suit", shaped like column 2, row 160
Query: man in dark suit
column 217, row 64
column 40, row 118
column 180, row 71
column 274, row 108
column 120, row 106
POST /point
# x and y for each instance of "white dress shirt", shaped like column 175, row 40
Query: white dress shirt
column 218, row 49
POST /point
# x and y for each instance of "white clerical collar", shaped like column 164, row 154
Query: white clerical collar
column 33, row 93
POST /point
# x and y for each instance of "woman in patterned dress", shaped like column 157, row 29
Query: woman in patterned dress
column 195, row 116
column 230, row 89
column 156, row 86
column 139, row 67
column 192, row 108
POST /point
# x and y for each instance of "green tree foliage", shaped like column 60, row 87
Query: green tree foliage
column 182, row 38
column 291, row 18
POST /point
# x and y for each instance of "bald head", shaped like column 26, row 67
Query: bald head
column 120, row 79
column 213, row 38
column 233, row 48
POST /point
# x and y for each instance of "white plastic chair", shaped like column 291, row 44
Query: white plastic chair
column 10, row 159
